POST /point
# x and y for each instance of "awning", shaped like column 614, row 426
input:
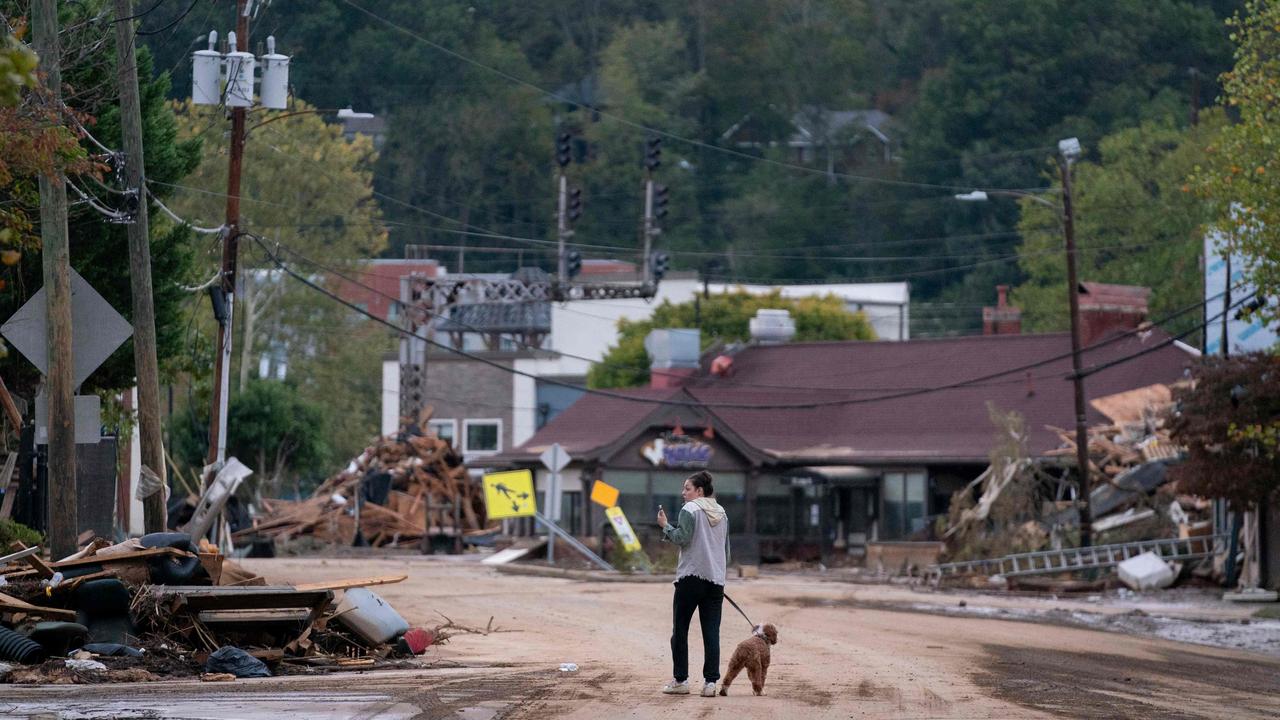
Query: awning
column 845, row 475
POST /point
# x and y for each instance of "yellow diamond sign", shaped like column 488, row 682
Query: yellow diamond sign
column 509, row 494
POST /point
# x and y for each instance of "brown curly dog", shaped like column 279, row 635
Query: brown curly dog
column 752, row 654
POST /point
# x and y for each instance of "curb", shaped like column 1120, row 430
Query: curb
column 582, row 575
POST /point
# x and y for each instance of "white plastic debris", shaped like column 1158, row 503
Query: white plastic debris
column 568, row 667
column 338, row 499
column 86, row 665
column 1146, row 572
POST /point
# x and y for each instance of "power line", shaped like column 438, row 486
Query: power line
column 679, row 403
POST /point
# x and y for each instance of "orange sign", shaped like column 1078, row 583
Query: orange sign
column 604, row 494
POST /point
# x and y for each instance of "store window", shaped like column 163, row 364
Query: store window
column 633, row 488
column 904, row 503
column 482, row 436
column 773, row 506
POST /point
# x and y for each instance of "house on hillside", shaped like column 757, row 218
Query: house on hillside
column 840, row 140
column 822, row 448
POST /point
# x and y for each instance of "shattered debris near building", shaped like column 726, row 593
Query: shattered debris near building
column 1019, row 518
column 162, row 607
column 409, row 485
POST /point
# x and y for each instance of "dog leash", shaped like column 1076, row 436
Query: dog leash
column 740, row 610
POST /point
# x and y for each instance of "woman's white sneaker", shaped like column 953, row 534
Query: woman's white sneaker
column 708, row 689
column 676, row 688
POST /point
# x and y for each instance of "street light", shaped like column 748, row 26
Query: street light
column 1069, row 150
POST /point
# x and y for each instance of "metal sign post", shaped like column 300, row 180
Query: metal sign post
column 555, row 459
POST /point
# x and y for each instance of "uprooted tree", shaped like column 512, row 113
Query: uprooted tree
column 1229, row 421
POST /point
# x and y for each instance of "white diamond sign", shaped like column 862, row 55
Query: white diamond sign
column 96, row 330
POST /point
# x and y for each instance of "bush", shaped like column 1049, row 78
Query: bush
column 11, row 531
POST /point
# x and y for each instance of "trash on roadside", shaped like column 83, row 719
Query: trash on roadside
column 237, row 662
column 85, row 665
column 1146, row 572
column 568, row 667
column 217, row 677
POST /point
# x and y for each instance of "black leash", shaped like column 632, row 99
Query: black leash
column 735, row 607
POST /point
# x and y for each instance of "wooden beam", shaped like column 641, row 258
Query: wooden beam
column 13, row 604
column 10, row 408
column 352, row 583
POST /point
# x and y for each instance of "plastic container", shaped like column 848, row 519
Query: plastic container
column 369, row 616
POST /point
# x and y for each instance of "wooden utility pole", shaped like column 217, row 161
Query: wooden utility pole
column 56, row 259
column 230, row 250
column 144, row 320
column 1073, row 298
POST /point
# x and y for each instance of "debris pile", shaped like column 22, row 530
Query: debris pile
column 160, row 606
column 1023, row 506
column 401, row 488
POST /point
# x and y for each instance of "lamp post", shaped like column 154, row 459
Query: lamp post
column 1069, row 151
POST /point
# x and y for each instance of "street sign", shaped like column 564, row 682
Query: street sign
column 623, row 528
column 96, row 330
column 509, row 494
column 555, row 458
column 602, row 493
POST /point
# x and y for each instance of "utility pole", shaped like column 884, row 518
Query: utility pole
column 144, row 323
column 1070, row 150
column 56, row 261
column 230, row 250
column 652, row 160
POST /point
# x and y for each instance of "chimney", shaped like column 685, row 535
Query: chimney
column 1003, row 319
column 772, row 327
column 1106, row 309
column 674, row 355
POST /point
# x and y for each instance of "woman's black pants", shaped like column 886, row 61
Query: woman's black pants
column 694, row 593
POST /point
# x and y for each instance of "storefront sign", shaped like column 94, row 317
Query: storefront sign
column 677, row 451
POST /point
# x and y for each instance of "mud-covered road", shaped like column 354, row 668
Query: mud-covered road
column 837, row 657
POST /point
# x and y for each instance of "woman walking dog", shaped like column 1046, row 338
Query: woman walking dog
column 702, row 533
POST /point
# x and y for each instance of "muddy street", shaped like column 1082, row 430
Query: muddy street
column 837, row 657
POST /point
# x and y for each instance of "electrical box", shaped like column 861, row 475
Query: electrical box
column 206, row 74
column 239, row 76
column 274, row 90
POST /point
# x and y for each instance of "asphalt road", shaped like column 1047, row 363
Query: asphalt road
column 842, row 653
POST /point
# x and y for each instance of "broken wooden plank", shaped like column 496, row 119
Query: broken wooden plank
column 9, row 603
column 33, row 560
column 199, row 598
column 352, row 583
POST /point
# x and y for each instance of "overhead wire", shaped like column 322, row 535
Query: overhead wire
column 298, row 277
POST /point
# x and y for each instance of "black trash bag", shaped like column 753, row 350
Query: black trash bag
column 113, row 650
column 230, row 659
column 377, row 486
column 168, row 570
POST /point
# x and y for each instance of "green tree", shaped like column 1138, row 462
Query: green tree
column 99, row 249
column 1243, row 175
column 271, row 428
column 1136, row 223
column 723, row 318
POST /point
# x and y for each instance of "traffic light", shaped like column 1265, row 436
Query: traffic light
column 661, row 196
column 573, row 262
column 564, row 149
column 659, row 262
column 575, row 204
column 653, row 153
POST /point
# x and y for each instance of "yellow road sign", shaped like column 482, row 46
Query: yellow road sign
column 623, row 528
column 509, row 494
column 604, row 494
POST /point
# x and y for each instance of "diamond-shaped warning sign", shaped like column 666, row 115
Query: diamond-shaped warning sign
column 96, row 330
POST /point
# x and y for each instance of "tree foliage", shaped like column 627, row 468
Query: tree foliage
column 1229, row 420
column 1243, row 174
column 1136, row 223
column 40, row 135
column 723, row 318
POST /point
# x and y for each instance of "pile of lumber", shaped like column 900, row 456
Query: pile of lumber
column 401, row 488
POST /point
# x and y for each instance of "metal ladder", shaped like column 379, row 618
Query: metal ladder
column 1072, row 559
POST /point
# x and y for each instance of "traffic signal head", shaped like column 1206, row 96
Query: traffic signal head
column 573, row 261
column 661, row 197
column 653, row 153
column 575, row 204
column 659, row 262
column 564, row 149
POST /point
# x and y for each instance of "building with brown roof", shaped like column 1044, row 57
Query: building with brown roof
column 827, row 446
